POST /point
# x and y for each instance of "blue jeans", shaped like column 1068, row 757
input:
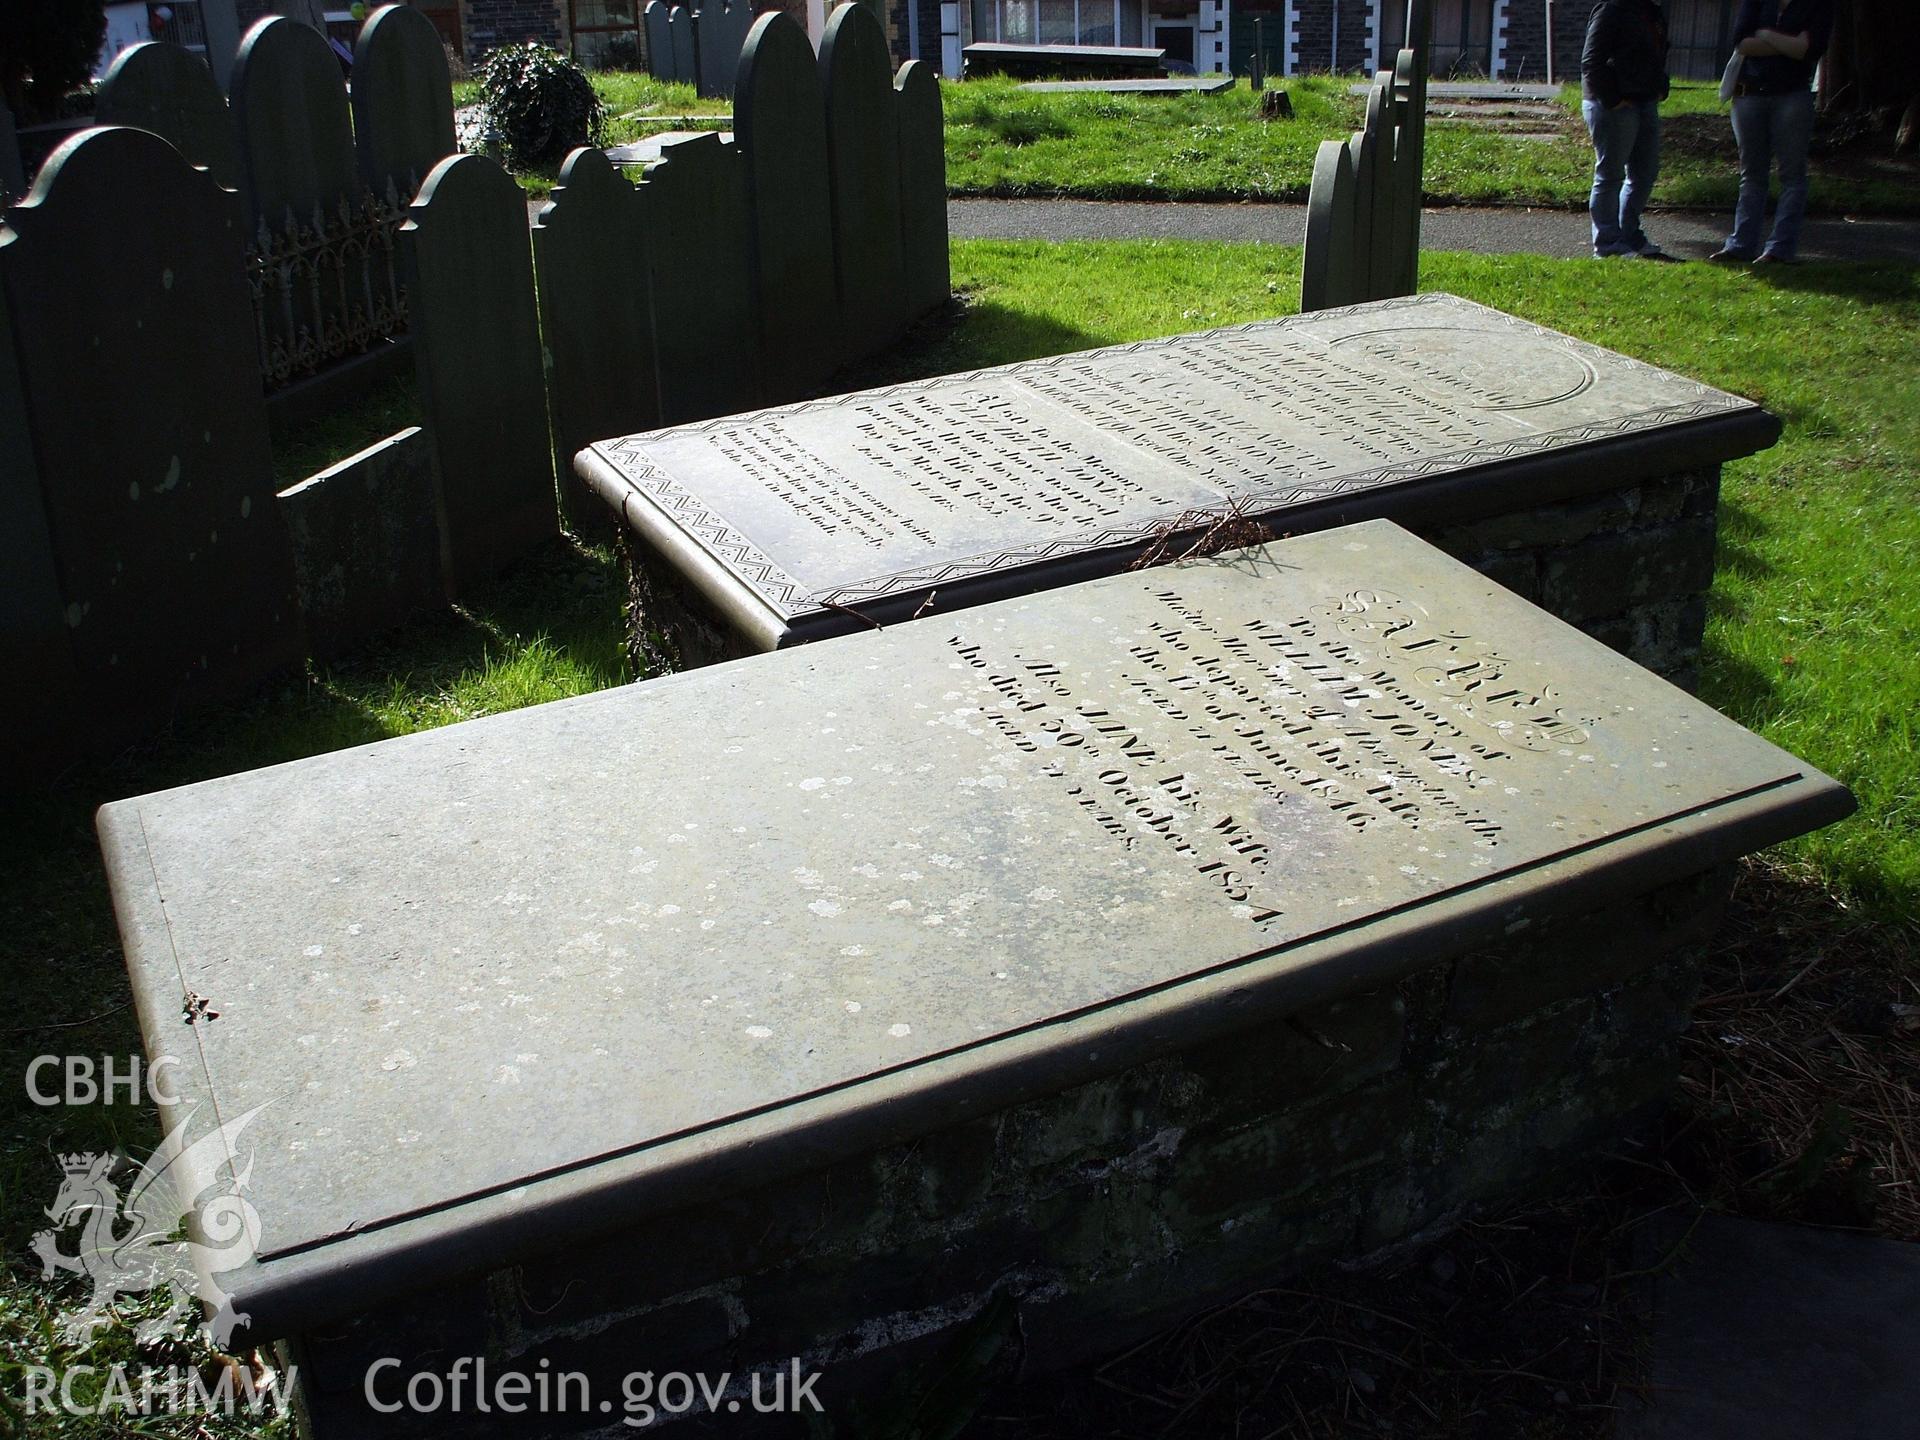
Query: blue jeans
column 1626, row 146
column 1771, row 129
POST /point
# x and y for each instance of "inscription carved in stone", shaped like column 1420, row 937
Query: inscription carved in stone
column 591, row 937
column 889, row 495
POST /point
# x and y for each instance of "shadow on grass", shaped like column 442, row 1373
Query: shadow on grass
column 966, row 334
column 1875, row 282
column 1741, row 533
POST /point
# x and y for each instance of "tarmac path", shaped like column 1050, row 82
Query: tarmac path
column 1686, row 234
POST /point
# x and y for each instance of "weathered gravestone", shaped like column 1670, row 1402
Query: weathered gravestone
column 1363, row 216
column 13, row 179
column 170, row 91
column 926, row 275
column 863, row 174
column 295, row 129
column 402, row 101
column 681, row 45
column 1409, row 148
column 596, row 318
column 793, row 1008
column 1330, row 229
column 366, row 542
column 476, row 349
column 660, row 55
column 723, row 31
column 33, row 622
column 780, row 127
column 700, row 268
column 123, row 267
column 820, row 518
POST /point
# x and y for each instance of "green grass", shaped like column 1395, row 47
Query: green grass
column 1005, row 141
column 1008, row 142
column 1814, row 626
column 306, row 450
column 1816, row 612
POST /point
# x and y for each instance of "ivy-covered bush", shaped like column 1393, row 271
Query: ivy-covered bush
column 540, row 103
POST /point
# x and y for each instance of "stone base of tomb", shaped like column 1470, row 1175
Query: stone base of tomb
column 1071, row 1224
column 1631, row 566
column 670, row 624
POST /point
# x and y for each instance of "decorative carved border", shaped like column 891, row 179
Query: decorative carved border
column 1266, row 501
column 787, row 595
column 691, row 514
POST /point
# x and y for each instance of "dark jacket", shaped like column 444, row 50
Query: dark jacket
column 1776, row 74
column 1626, row 52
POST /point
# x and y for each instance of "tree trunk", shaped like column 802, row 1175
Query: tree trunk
column 1873, row 62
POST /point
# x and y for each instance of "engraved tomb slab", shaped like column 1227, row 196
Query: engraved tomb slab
column 598, row 957
column 998, row 482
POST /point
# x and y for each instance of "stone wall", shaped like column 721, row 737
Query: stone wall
column 1106, row 1210
column 1631, row 566
column 1526, row 47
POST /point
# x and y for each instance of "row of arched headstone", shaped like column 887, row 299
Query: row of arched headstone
column 697, row 47
column 144, row 564
column 812, row 240
column 1363, row 210
column 322, row 177
column 287, row 136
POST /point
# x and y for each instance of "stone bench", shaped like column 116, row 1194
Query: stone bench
column 1579, row 478
column 1104, row 951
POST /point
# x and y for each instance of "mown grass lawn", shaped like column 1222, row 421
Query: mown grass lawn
column 1008, row 142
column 1002, row 140
column 1814, row 629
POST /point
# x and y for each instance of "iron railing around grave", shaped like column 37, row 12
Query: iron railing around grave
column 327, row 288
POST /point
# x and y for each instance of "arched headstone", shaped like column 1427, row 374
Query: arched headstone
column 1326, row 274
column 43, row 723
column 723, row 31
column 596, row 318
column 1409, row 161
column 653, row 20
column 779, row 121
column 170, row 91
column 124, row 267
column 295, row 135
column 923, row 188
column 13, row 180
column 1383, row 266
column 680, row 45
column 863, row 172
column 402, row 100
column 476, row 350
column 694, row 206
column 1363, row 155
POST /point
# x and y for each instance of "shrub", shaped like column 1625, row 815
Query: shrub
column 540, row 102
column 47, row 47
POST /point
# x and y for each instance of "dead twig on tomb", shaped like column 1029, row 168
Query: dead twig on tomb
column 1197, row 533
column 863, row 618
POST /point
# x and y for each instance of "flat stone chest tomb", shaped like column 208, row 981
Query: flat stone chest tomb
column 1113, row 946
column 1592, row 477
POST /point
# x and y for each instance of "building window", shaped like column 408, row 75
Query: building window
column 606, row 33
column 1058, row 22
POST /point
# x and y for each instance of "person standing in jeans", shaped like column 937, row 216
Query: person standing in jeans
column 1623, row 79
column 1782, row 42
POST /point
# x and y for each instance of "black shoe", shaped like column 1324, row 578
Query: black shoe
column 1727, row 255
